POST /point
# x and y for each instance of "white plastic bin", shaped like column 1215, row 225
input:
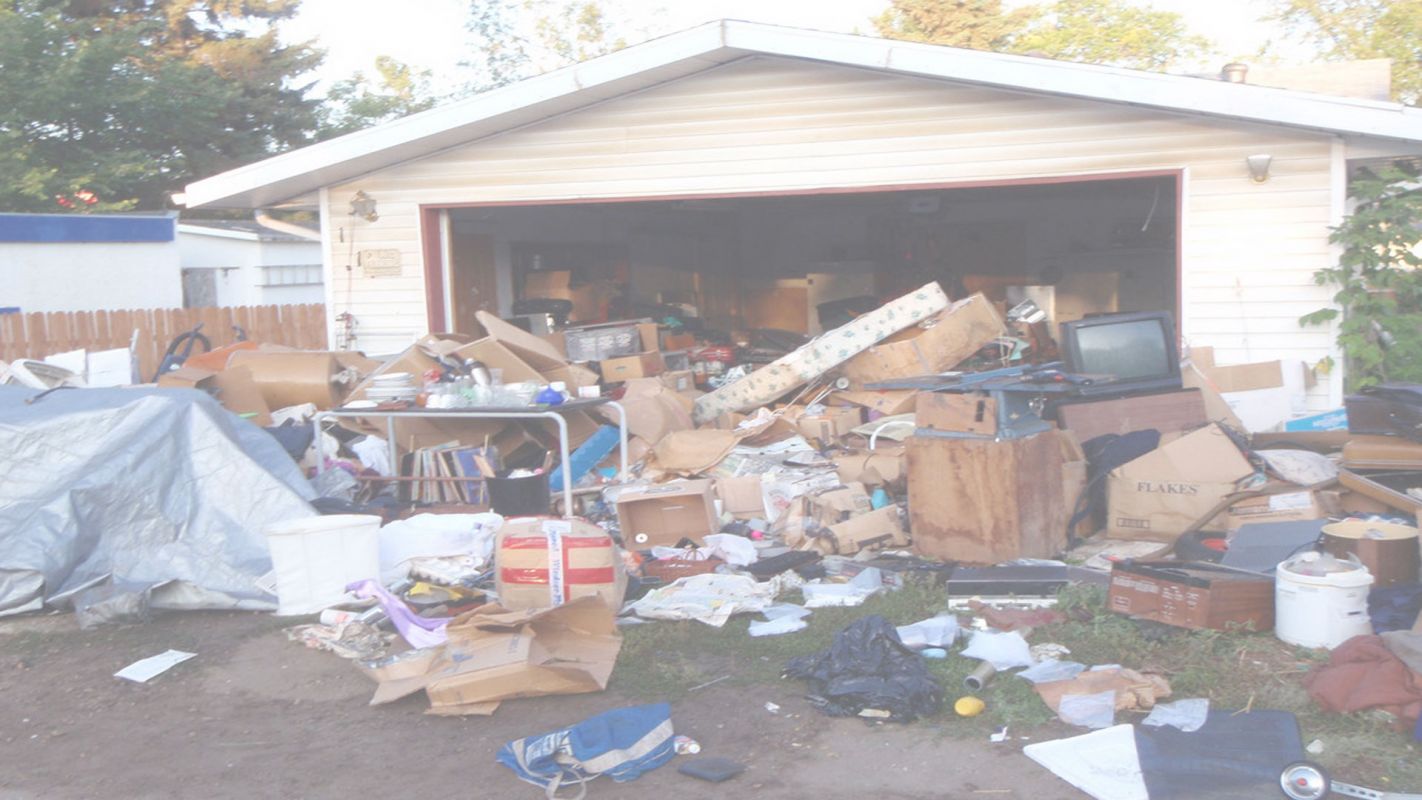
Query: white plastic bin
column 315, row 558
column 1321, row 601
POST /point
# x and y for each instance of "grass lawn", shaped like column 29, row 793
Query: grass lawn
column 1235, row 670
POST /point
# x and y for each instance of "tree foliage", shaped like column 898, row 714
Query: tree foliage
column 1379, row 279
column 1097, row 31
column 1111, row 32
column 1361, row 29
column 359, row 101
column 973, row 24
column 112, row 105
column 515, row 39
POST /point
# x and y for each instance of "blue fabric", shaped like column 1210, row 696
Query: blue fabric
column 622, row 744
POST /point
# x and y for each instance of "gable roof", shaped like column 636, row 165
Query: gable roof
column 299, row 172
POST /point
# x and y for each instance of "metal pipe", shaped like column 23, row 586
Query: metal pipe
column 980, row 677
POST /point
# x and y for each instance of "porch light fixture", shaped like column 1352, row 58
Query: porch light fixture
column 363, row 206
column 1259, row 166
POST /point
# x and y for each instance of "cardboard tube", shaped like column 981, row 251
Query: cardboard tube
column 980, row 677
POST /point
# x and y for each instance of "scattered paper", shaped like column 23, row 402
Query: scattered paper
column 868, row 582
column 146, row 669
column 939, row 631
column 1187, row 715
column 783, row 618
column 1003, row 650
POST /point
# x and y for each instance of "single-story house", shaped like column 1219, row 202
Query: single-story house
column 84, row 262
column 255, row 262
column 752, row 171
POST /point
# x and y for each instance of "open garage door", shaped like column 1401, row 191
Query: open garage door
column 800, row 262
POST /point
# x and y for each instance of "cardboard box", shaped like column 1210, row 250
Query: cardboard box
column 548, row 562
column 1194, row 596
column 653, row 411
column 1286, row 507
column 290, row 378
column 233, row 388
column 610, row 340
column 935, row 346
column 971, row 412
column 1262, row 395
column 886, row 403
column 683, row 380
column 740, row 495
column 879, row 528
column 664, row 514
column 877, row 467
column 642, row 365
column 830, row 426
column 494, row 654
column 839, row 505
column 1157, row 496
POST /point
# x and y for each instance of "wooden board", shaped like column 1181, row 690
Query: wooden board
column 983, row 501
column 1168, row 412
column 950, row 411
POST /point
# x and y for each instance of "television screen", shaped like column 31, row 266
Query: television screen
column 1129, row 350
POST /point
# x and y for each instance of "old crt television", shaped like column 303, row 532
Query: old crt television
column 1138, row 351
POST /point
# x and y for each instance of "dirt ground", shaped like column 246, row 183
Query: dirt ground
column 256, row 716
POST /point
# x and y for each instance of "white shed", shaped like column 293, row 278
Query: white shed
column 249, row 263
column 747, row 170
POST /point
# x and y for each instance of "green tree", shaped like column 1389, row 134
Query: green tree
column 514, row 39
column 1360, row 29
column 113, row 105
column 1096, row 31
column 1378, row 278
column 1111, row 32
column 359, row 102
column 974, row 24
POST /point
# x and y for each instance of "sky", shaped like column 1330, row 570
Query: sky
column 429, row 33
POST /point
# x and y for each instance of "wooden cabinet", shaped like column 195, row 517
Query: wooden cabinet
column 983, row 501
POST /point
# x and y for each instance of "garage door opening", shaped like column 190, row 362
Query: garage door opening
column 1076, row 248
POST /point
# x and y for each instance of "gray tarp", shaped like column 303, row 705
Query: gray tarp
column 147, row 486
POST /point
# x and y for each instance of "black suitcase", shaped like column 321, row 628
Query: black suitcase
column 1392, row 409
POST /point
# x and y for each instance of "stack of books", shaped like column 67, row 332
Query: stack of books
column 447, row 461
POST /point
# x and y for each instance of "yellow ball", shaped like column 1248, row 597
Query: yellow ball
column 969, row 706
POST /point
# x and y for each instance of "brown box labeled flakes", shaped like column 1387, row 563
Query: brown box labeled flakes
column 1191, row 595
column 666, row 513
column 642, row 365
column 1157, row 496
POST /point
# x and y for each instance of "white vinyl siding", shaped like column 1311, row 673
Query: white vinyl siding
column 767, row 124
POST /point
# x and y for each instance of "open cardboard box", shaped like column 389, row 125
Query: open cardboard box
column 233, row 388
column 664, row 514
column 1157, row 496
column 938, row 344
column 494, row 655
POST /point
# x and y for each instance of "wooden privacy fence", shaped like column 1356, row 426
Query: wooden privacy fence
column 43, row 333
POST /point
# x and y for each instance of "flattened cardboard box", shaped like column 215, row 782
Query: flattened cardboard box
column 1157, row 496
column 883, row 527
column 494, row 655
column 953, row 335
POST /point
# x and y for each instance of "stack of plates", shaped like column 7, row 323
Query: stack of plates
column 392, row 386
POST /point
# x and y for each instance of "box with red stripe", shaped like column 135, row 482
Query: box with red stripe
column 543, row 563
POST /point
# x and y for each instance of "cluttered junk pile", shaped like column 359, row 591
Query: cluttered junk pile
column 484, row 513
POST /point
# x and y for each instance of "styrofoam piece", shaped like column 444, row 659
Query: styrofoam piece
column 315, row 558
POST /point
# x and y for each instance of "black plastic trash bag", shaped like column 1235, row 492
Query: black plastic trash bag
column 867, row 667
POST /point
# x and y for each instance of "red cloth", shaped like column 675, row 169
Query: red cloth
column 1362, row 673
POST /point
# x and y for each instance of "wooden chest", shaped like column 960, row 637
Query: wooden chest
column 982, row 501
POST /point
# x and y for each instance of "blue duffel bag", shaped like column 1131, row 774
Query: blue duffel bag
column 622, row 744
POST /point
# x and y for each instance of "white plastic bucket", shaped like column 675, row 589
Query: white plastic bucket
column 315, row 558
column 1321, row 610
